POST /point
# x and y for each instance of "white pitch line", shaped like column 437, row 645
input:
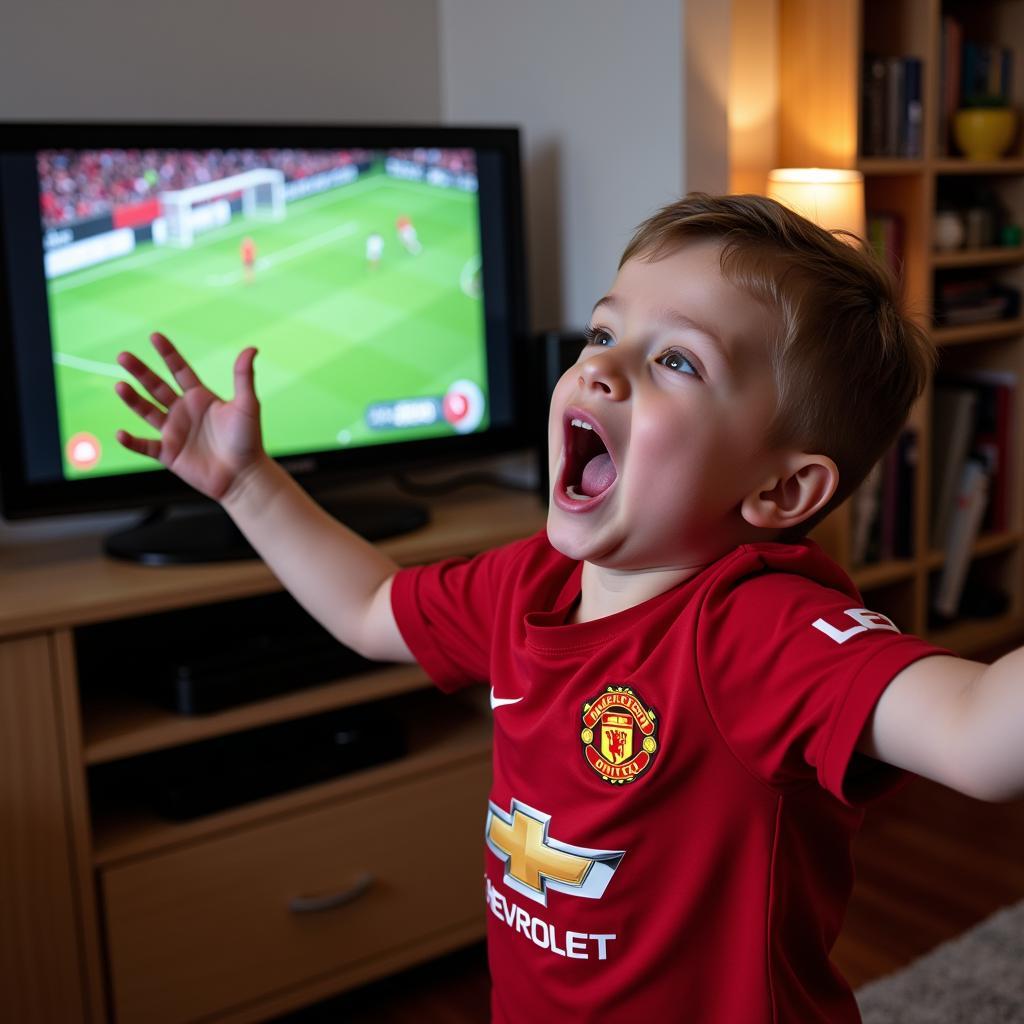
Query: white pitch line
column 89, row 365
column 103, row 270
column 283, row 255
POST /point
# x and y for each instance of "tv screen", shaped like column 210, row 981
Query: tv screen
column 377, row 270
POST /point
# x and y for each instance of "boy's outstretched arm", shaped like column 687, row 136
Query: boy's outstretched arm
column 216, row 446
column 341, row 579
column 957, row 722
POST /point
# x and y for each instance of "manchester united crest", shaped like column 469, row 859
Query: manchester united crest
column 619, row 735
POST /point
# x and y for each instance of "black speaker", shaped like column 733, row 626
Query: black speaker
column 552, row 353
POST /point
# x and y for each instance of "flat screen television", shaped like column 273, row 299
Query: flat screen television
column 379, row 271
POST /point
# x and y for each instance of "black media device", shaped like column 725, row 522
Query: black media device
column 378, row 270
column 223, row 655
column 202, row 778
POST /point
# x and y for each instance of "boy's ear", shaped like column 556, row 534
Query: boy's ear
column 806, row 484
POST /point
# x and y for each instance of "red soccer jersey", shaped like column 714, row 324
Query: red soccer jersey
column 675, row 786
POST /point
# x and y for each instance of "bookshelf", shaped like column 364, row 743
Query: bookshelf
column 827, row 49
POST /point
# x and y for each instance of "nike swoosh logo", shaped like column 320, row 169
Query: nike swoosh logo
column 497, row 702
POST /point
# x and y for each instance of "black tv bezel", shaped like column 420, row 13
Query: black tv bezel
column 22, row 498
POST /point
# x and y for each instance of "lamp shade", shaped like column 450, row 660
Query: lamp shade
column 833, row 199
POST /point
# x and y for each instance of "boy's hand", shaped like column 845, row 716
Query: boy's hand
column 205, row 440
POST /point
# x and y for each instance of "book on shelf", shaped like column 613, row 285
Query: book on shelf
column 911, row 111
column 949, row 69
column 863, row 515
column 903, row 495
column 891, row 107
column 973, row 417
column 993, row 438
column 974, row 300
column 952, row 433
column 895, row 79
column 987, row 72
column 964, row 526
column 872, row 123
column 885, row 236
column 882, row 507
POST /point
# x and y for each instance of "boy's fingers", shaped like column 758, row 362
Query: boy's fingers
column 142, row 445
column 147, row 410
column 154, row 384
column 245, row 379
column 180, row 370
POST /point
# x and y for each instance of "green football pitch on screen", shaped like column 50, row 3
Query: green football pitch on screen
column 337, row 331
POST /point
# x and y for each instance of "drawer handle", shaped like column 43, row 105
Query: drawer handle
column 315, row 904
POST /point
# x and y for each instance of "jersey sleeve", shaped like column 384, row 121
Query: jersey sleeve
column 446, row 613
column 791, row 671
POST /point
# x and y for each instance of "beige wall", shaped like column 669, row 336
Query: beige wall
column 597, row 88
column 302, row 60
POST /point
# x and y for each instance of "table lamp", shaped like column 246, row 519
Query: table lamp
column 833, row 199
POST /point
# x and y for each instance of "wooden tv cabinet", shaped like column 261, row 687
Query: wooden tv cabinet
column 111, row 913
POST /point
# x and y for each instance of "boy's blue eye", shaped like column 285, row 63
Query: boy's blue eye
column 675, row 360
column 595, row 336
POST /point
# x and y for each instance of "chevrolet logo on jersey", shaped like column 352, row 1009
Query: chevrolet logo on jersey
column 536, row 863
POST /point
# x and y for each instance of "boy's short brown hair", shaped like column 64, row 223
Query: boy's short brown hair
column 848, row 361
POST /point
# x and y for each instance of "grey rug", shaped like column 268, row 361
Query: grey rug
column 976, row 978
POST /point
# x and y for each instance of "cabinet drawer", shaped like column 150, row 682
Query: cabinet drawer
column 196, row 931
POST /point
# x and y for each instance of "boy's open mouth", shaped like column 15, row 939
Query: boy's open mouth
column 588, row 469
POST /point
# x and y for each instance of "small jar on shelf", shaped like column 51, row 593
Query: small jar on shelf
column 986, row 129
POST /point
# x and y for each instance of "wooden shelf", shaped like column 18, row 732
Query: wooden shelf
column 123, row 829
column 987, row 544
column 884, row 166
column 973, row 637
column 991, row 257
column 990, row 330
column 117, row 725
column 871, row 577
column 993, row 543
column 961, row 165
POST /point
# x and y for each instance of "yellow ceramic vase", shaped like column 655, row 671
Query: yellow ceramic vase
column 984, row 133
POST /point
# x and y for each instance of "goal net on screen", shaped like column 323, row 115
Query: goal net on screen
column 190, row 211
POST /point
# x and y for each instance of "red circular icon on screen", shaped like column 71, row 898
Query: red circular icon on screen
column 455, row 406
column 463, row 406
column 83, row 450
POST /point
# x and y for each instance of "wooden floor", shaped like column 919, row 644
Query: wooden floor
column 930, row 863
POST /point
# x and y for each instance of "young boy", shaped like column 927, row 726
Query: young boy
column 690, row 704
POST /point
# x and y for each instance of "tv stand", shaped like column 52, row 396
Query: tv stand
column 113, row 913
column 183, row 536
